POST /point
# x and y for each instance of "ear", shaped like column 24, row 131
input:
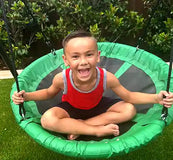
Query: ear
column 98, row 59
column 65, row 60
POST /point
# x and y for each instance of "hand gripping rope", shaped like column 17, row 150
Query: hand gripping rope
column 165, row 110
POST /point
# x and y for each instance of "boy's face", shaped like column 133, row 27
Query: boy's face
column 82, row 55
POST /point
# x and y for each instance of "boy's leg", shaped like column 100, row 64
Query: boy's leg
column 58, row 120
column 117, row 113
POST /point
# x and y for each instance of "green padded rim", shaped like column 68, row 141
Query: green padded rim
column 148, row 125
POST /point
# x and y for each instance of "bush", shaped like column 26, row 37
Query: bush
column 160, row 30
column 107, row 20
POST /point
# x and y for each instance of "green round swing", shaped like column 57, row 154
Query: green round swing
column 137, row 70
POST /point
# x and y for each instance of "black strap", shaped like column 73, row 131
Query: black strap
column 165, row 110
column 11, row 62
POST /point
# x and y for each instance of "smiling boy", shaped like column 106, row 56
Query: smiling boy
column 84, row 110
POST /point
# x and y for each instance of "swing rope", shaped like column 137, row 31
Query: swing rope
column 11, row 62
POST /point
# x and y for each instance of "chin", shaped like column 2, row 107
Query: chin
column 84, row 79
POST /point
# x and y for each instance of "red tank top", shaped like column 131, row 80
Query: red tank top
column 80, row 99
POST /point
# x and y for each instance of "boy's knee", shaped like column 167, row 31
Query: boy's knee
column 131, row 110
column 44, row 120
column 47, row 119
column 52, row 116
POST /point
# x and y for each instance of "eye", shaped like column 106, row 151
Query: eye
column 75, row 57
column 89, row 54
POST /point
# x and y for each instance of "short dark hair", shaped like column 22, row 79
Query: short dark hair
column 76, row 34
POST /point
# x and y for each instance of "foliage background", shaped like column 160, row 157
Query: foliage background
column 107, row 20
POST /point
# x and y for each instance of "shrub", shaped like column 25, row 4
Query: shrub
column 160, row 30
column 107, row 20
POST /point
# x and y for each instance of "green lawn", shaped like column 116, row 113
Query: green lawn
column 15, row 144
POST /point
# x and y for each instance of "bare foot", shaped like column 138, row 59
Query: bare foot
column 110, row 129
column 72, row 136
column 101, row 131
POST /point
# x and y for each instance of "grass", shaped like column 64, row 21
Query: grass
column 15, row 144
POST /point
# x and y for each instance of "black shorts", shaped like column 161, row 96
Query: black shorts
column 76, row 113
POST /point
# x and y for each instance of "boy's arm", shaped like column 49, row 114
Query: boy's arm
column 56, row 86
column 137, row 97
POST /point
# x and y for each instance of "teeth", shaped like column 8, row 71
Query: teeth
column 84, row 71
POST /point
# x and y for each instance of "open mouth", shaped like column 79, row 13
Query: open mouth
column 84, row 72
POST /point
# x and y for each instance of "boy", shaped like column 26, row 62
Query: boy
column 83, row 110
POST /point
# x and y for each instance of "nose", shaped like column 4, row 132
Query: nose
column 83, row 61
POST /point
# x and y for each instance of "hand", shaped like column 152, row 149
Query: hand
column 18, row 97
column 168, row 101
